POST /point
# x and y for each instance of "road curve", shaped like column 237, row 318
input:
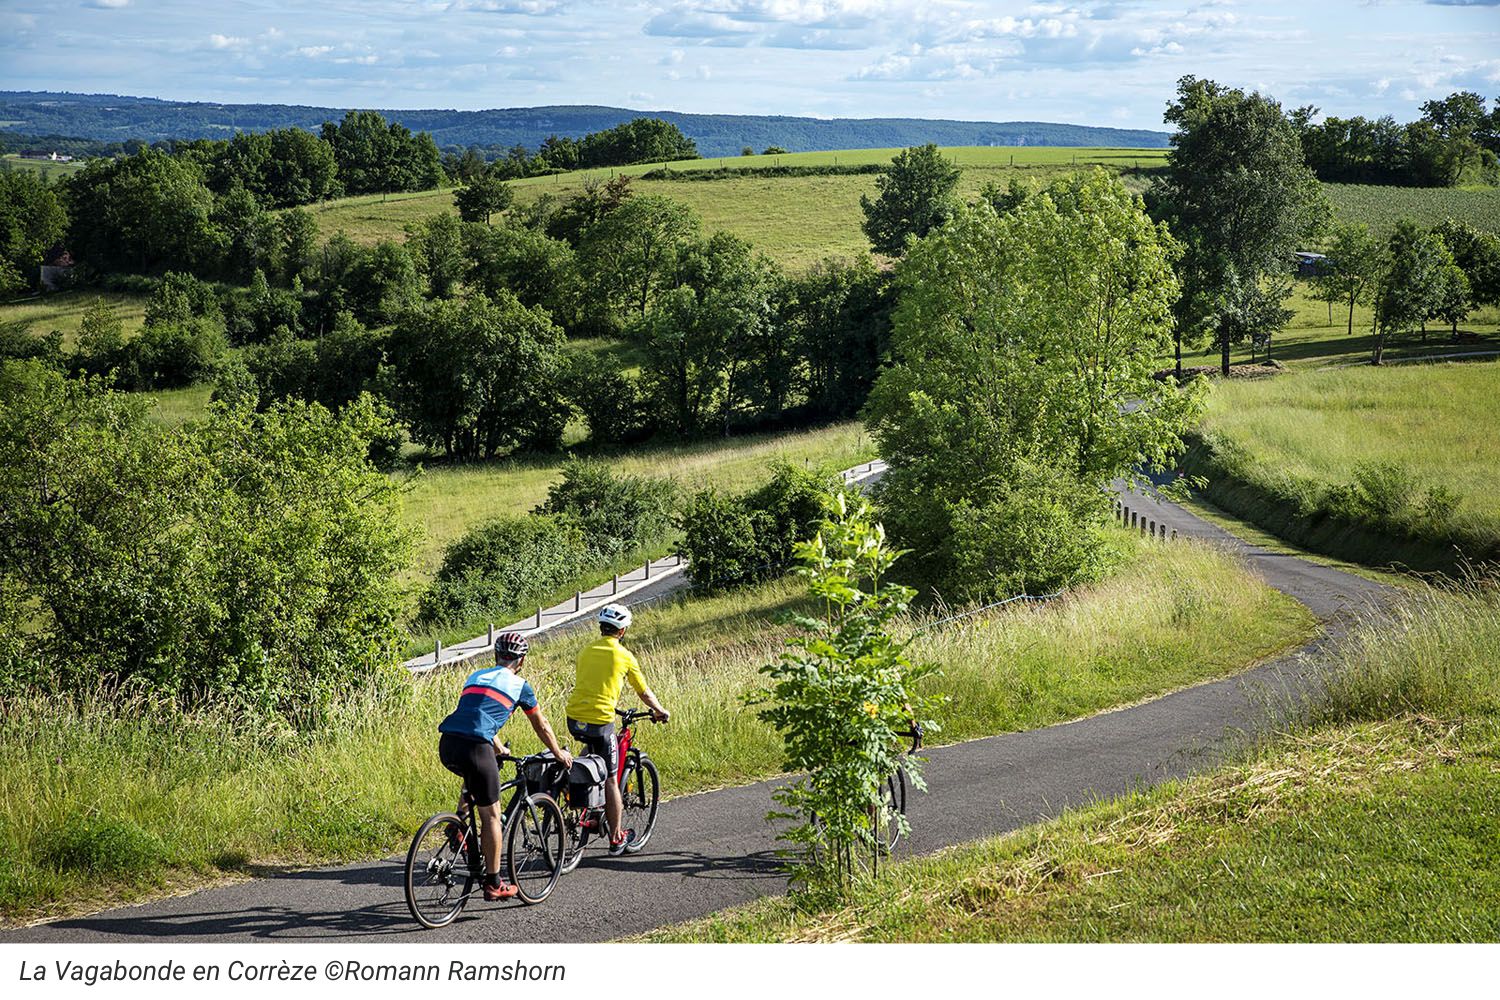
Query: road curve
column 715, row 850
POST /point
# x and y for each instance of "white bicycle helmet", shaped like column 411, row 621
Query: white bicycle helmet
column 615, row 616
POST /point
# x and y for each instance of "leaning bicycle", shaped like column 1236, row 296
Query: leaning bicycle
column 445, row 863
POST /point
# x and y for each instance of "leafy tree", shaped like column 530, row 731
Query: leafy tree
column 437, row 250
column 101, row 339
column 18, row 343
column 838, row 317
column 179, row 297
column 916, row 196
column 617, row 410
column 257, row 313
column 482, row 197
column 297, row 249
column 626, row 255
column 1451, row 298
column 477, row 377
column 1477, row 253
column 301, row 170
column 1352, row 268
column 712, row 352
column 32, row 221
column 334, row 370
column 559, row 152
column 501, row 566
column 382, row 282
column 840, row 696
column 1411, row 286
column 772, row 151
column 1018, row 340
column 250, row 236
column 747, row 150
column 1239, row 195
column 541, row 271
column 584, row 210
column 144, row 212
column 641, row 140
column 375, row 156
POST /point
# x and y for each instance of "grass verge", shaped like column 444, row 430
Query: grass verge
column 1376, row 819
column 133, row 797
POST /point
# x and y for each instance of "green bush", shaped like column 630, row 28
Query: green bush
column 731, row 541
column 172, row 355
column 502, row 566
column 18, row 343
column 617, row 514
column 1034, row 535
column 247, row 560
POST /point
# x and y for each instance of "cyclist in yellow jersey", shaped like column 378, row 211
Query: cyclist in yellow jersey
column 603, row 668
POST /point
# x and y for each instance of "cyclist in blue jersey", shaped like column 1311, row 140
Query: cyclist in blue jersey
column 471, row 739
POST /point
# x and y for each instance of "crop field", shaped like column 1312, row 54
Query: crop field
column 1381, row 207
column 796, row 220
column 196, row 798
column 1437, row 422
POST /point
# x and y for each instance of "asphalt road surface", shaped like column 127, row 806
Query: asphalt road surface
column 715, row 850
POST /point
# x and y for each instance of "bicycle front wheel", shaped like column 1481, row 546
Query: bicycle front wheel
column 536, row 847
column 893, row 794
column 439, row 876
column 641, row 791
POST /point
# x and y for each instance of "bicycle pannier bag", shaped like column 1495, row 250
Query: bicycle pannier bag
column 536, row 772
column 586, row 782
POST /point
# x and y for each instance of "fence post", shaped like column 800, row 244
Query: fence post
column 577, row 600
column 1174, row 534
column 648, row 569
column 437, row 652
column 492, row 634
column 614, row 585
column 538, row 617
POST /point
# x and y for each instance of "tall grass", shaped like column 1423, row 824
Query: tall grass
column 129, row 793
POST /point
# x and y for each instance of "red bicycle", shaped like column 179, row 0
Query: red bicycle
column 640, row 787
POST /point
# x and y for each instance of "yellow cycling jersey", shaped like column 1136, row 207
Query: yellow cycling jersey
column 603, row 668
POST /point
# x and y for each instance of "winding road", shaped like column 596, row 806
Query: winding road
column 715, row 849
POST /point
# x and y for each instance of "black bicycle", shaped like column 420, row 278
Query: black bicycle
column 640, row 788
column 886, row 823
column 445, row 864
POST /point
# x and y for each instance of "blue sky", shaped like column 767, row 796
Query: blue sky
column 1100, row 63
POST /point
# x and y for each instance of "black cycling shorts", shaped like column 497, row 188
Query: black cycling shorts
column 473, row 761
column 600, row 739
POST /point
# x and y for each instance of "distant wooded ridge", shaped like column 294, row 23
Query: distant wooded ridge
column 116, row 118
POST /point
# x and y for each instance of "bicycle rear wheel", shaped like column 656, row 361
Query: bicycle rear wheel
column 536, row 847
column 893, row 793
column 641, row 791
column 439, row 872
column 578, row 836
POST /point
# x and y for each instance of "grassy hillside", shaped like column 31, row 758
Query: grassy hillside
column 447, row 500
column 1378, row 825
column 1275, row 448
column 64, row 311
column 202, row 797
column 796, row 220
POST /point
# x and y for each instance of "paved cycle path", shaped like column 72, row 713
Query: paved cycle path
column 715, row 849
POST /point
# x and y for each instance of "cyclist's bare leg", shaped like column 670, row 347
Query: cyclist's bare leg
column 614, row 807
column 490, row 831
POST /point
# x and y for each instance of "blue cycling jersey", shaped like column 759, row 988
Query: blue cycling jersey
column 486, row 702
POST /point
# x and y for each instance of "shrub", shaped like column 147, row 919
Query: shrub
column 248, row 560
column 18, row 343
column 170, row 355
column 839, row 696
column 1035, row 535
column 732, row 541
column 502, row 566
column 617, row 514
column 103, row 845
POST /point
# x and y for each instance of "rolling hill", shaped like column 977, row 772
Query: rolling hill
column 116, row 118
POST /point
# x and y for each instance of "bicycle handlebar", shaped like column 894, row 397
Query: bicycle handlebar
column 634, row 715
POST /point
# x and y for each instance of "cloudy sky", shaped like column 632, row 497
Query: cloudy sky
column 1104, row 63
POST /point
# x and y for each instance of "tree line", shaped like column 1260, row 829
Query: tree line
column 1455, row 141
